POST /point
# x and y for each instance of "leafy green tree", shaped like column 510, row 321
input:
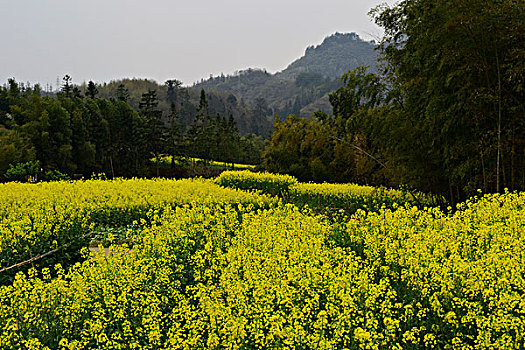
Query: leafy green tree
column 226, row 140
column 15, row 148
column 128, row 148
column 251, row 149
column 149, row 101
column 260, row 117
column 230, row 143
column 76, row 92
column 231, row 100
column 139, row 141
column 83, row 150
column 98, row 131
column 70, row 134
column 308, row 149
column 13, row 92
column 23, row 172
column 360, row 90
column 357, row 108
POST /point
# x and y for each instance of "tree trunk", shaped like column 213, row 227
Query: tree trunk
column 484, row 173
column 111, row 165
column 499, row 126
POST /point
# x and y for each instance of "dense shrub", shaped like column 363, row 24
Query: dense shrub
column 268, row 183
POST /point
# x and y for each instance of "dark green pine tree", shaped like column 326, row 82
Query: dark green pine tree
column 174, row 140
column 122, row 93
column 173, row 86
column 92, row 90
column 200, row 132
column 67, row 87
column 231, row 141
column 156, row 128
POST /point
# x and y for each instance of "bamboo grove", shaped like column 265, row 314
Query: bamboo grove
column 443, row 113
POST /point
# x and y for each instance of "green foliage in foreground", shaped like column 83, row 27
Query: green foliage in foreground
column 31, row 172
column 209, row 278
column 23, row 171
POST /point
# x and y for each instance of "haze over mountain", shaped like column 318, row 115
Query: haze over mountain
column 302, row 87
column 253, row 96
column 336, row 55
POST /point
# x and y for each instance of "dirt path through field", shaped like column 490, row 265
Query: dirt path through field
column 96, row 250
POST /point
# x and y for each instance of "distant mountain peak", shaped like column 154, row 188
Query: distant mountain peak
column 337, row 38
column 337, row 54
column 303, row 86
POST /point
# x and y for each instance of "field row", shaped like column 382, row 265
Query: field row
column 349, row 197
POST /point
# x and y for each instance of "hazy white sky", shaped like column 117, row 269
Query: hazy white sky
column 102, row 40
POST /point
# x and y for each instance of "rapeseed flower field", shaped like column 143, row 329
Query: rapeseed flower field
column 219, row 268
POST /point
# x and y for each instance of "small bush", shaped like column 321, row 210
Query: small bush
column 267, row 183
column 23, row 172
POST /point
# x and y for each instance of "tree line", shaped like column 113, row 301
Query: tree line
column 77, row 133
column 446, row 113
column 252, row 117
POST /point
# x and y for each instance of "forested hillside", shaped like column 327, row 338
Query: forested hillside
column 336, row 55
column 77, row 133
column 117, row 127
column 253, row 96
column 303, row 86
column 250, row 118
